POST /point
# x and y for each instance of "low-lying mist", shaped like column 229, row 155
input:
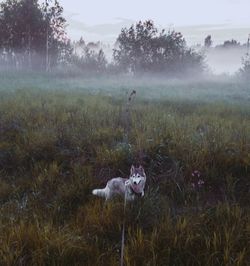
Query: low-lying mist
column 200, row 88
column 227, row 60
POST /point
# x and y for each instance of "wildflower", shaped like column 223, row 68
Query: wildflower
column 200, row 183
column 196, row 173
column 197, row 182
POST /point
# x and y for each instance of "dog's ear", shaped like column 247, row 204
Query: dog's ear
column 142, row 169
column 132, row 169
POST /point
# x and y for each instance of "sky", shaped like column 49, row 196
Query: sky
column 103, row 20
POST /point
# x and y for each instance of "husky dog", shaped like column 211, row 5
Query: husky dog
column 128, row 187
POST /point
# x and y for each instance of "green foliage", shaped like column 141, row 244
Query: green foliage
column 90, row 61
column 142, row 49
column 245, row 70
column 32, row 34
column 208, row 41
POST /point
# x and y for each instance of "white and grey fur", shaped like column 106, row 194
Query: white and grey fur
column 132, row 186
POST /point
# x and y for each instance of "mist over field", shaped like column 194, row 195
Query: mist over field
column 227, row 61
column 77, row 112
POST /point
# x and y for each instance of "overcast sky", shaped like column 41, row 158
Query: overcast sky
column 103, row 19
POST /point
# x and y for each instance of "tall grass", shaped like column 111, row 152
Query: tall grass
column 57, row 144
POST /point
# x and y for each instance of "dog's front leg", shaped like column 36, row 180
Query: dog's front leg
column 142, row 194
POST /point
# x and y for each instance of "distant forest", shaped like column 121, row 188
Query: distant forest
column 33, row 36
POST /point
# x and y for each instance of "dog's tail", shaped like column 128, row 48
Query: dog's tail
column 99, row 192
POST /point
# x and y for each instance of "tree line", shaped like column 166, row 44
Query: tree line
column 33, row 36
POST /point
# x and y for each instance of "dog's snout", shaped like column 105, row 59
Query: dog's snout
column 135, row 182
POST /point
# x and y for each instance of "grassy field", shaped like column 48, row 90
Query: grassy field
column 62, row 137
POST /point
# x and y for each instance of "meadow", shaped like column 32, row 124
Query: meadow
column 61, row 137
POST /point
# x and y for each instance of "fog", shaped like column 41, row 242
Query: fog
column 176, row 54
column 225, row 60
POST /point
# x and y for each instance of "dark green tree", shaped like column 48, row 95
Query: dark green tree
column 90, row 61
column 230, row 44
column 142, row 48
column 245, row 69
column 55, row 35
column 32, row 35
column 20, row 27
column 208, row 41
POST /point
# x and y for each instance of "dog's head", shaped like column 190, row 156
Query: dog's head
column 137, row 178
